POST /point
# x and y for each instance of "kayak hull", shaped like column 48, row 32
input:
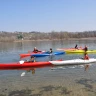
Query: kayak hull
column 73, row 62
column 48, row 54
column 23, row 64
column 29, row 54
column 80, row 51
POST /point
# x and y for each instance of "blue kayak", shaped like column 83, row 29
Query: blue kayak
column 47, row 54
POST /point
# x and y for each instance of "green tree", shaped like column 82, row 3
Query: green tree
column 20, row 36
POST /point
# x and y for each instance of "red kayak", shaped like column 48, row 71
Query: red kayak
column 30, row 53
column 22, row 64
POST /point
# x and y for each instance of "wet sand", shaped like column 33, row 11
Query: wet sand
column 59, row 82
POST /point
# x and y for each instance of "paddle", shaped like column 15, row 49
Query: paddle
column 21, row 62
column 23, row 74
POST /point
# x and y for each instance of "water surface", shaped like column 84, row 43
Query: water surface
column 58, row 81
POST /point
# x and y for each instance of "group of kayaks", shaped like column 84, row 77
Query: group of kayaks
column 27, row 64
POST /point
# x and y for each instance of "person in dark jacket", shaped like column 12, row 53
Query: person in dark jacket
column 32, row 59
column 76, row 46
column 51, row 50
column 85, row 49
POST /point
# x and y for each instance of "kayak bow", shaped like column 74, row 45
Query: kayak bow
column 30, row 53
column 73, row 62
column 22, row 64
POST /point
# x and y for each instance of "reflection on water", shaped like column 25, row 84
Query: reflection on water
column 54, row 81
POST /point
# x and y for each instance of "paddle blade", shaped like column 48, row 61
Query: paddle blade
column 21, row 62
column 23, row 74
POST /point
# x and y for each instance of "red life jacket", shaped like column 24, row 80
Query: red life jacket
column 86, row 57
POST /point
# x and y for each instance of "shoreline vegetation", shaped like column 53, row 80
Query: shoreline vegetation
column 46, row 36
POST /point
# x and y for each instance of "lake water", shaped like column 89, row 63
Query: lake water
column 55, row 81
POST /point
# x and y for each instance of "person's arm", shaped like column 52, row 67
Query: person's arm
column 34, row 60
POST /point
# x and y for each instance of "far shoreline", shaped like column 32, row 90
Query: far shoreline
column 91, row 38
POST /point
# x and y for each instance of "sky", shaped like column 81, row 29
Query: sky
column 47, row 15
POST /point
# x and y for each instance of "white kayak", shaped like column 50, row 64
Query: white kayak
column 73, row 62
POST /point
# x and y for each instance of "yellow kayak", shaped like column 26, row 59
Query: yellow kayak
column 80, row 51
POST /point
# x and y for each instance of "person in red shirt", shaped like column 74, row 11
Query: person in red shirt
column 86, row 57
column 35, row 50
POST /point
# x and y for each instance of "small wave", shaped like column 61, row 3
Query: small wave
column 52, row 70
column 61, row 68
column 73, row 67
column 58, row 68
column 81, row 66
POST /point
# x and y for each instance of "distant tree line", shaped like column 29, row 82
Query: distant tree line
column 13, row 36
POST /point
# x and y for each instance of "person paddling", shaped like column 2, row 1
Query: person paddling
column 35, row 50
column 86, row 57
column 76, row 46
column 51, row 56
column 50, row 50
column 85, row 49
column 32, row 59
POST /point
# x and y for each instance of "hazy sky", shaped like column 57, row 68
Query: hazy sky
column 47, row 15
